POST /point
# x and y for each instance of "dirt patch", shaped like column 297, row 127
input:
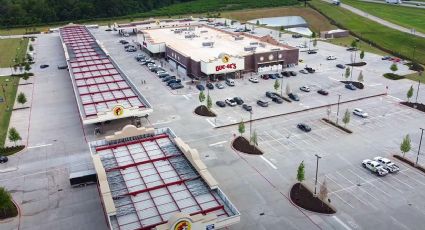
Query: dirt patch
column 357, row 84
column 420, row 107
column 337, row 125
column 7, row 151
column 242, row 145
column 409, row 162
column 357, row 64
column 202, row 110
column 304, row 198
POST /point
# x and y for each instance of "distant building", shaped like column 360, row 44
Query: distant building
column 338, row 33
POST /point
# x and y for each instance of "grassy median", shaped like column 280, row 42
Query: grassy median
column 11, row 48
column 10, row 86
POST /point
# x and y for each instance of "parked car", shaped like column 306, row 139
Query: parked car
column 176, row 86
column 124, row 42
column 219, row 85
column 262, row 103
column 387, row 164
column 169, row 78
column 200, row 87
column 310, row 70
column 297, row 36
column 230, row 102
column 304, row 127
column 329, row 58
column 374, row 167
column 386, row 58
column 294, row 97
column 220, row 104
column 253, row 79
column 352, row 49
column 210, row 85
column 312, row 52
column 238, row 100
column 64, row 66
column 341, row 66
column 230, row 82
column 152, row 67
column 293, row 73
column 305, row 88
column 173, row 81
column 303, row 71
column 277, row 75
column 3, row 159
column 360, row 113
column 131, row 49
column 272, row 76
column 43, row 66
column 322, row 92
column 350, row 86
column 247, row 107
column 264, row 76
column 286, row 74
column 277, row 100
column 159, row 72
column 162, row 75
column 270, row 94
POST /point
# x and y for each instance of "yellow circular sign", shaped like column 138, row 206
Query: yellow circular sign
column 118, row 110
column 183, row 225
column 225, row 58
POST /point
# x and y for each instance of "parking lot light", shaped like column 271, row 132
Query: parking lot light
column 250, row 125
column 337, row 111
column 419, row 149
column 317, row 169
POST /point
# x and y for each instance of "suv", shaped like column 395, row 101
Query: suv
column 270, row 94
column 230, row 102
column 387, row 164
column 238, row 100
column 176, row 86
column 305, row 88
column 310, row 70
column 360, row 113
column 262, row 103
column 286, row 74
column 278, row 100
column 304, row 127
column 210, row 85
column 294, row 97
column 3, row 159
column 230, row 82
column 374, row 167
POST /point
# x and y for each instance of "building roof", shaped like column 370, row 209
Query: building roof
column 223, row 42
column 150, row 179
column 99, row 84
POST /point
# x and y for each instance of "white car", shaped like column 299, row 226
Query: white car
column 360, row 113
column 331, row 58
column 374, row 167
column 387, row 164
column 230, row 102
column 253, row 79
column 305, row 88
column 161, row 72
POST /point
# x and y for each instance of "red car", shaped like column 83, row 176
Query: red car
column 265, row 76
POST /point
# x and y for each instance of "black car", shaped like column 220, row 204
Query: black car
column 264, row 76
column 221, row 104
column 294, row 97
column 64, row 66
column 286, row 74
column 43, row 66
column 210, row 85
column 200, row 87
column 173, row 81
column 238, row 100
column 3, row 159
column 310, row 70
column 162, row 75
column 247, row 107
column 262, row 103
column 270, row 94
column 297, row 36
column 278, row 100
column 292, row 73
column 169, row 78
column 109, row 29
column 352, row 49
column 323, row 92
column 124, row 42
column 350, row 86
column 277, row 75
column 341, row 66
column 312, row 52
column 176, row 86
column 304, row 127
column 272, row 76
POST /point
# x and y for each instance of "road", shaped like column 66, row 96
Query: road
column 407, row 4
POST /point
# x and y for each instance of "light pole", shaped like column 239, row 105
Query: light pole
column 419, row 149
column 337, row 111
column 250, row 125
column 417, row 91
column 317, row 169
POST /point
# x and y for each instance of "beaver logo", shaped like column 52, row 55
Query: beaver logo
column 183, row 225
column 118, row 110
column 225, row 58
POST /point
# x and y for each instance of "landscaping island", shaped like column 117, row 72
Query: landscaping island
column 202, row 110
column 242, row 145
column 303, row 197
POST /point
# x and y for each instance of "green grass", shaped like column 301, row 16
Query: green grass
column 408, row 17
column 385, row 38
column 9, row 50
column 10, row 90
column 415, row 77
column 346, row 41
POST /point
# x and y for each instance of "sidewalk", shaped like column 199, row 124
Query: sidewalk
column 8, row 72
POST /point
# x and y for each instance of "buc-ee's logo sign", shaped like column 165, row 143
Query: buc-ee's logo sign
column 118, row 110
column 225, row 59
column 183, row 225
column 228, row 66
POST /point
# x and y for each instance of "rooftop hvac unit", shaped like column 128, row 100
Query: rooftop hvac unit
column 177, row 31
column 254, row 43
column 250, row 48
column 275, row 49
column 204, row 31
column 190, row 36
column 262, row 45
column 208, row 44
column 239, row 38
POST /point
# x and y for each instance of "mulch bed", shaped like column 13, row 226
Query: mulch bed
column 357, row 84
column 242, row 145
column 393, row 76
column 9, row 213
column 304, row 198
column 336, row 125
column 409, row 162
column 11, row 150
column 26, row 107
column 420, row 107
column 357, row 64
column 202, row 110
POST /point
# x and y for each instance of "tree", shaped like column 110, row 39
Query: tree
column 346, row 118
column 14, row 135
column 6, row 204
column 241, row 127
column 354, row 43
column 25, row 76
column 347, row 72
column 288, row 89
column 393, row 67
column 27, row 66
column 360, row 77
column 209, row 102
column 257, row 23
column 31, row 48
column 410, row 93
column 313, row 34
column 405, row 145
column 361, row 55
column 323, row 193
column 254, row 138
column 300, row 173
column 225, row 22
column 22, row 99
column 201, row 96
column 276, row 85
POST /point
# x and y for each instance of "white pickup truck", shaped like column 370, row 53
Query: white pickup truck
column 374, row 167
column 387, row 164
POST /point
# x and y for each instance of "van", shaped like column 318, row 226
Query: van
column 230, row 82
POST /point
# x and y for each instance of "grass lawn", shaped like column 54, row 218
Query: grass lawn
column 316, row 21
column 346, row 41
column 9, row 50
column 408, row 17
column 416, row 77
column 384, row 37
column 10, row 90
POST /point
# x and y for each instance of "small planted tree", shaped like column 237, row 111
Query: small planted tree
column 257, row 23
column 409, row 93
column 354, row 43
column 31, row 48
column 7, row 207
column 209, row 102
column 347, row 72
column 201, row 96
column 405, row 145
column 323, row 193
column 27, row 66
column 361, row 55
column 276, row 85
column 394, row 67
column 14, row 135
column 346, row 118
column 254, row 138
column 22, row 99
column 241, row 128
column 300, row 173
column 360, row 78
column 313, row 34
column 25, row 76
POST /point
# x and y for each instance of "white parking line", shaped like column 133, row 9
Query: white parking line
column 342, row 223
column 358, row 186
column 396, row 98
column 268, row 162
column 402, row 182
column 350, row 193
column 211, row 123
column 185, row 96
column 218, row 143
column 370, row 182
column 39, row 146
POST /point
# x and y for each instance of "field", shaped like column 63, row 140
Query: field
column 408, row 17
column 315, row 20
column 10, row 90
column 9, row 50
column 346, row 41
column 380, row 35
